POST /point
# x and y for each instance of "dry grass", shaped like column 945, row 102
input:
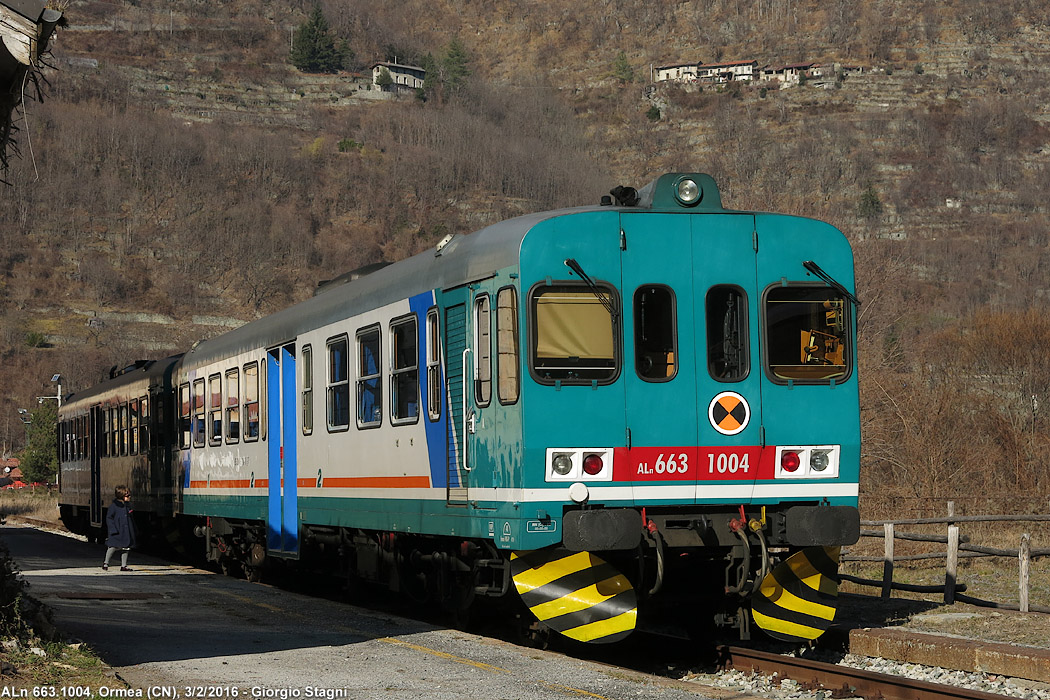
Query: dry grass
column 994, row 579
column 39, row 504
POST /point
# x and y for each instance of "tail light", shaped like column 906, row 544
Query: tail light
column 592, row 464
column 575, row 464
column 808, row 461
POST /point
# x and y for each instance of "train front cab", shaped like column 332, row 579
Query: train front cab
column 709, row 416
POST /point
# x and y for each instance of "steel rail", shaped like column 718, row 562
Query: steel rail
column 850, row 681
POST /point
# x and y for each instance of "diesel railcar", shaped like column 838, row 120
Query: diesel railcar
column 608, row 412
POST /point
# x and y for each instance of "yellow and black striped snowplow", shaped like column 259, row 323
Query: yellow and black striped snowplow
column 578, row 594
column 797, row 600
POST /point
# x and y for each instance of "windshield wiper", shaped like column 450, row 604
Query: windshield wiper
column 816, row 270
column 575, row 267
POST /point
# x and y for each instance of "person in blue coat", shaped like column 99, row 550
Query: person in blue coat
column 120, row 528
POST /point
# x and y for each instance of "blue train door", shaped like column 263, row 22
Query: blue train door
column 728, row 387
column 282, row 516
column 659, row 347
column 457, row 370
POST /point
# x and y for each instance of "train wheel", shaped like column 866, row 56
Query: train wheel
column 252, row 573
column 533, row 634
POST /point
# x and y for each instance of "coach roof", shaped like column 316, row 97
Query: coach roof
column 462, row 260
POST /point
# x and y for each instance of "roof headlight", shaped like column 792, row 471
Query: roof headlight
column 687, row 191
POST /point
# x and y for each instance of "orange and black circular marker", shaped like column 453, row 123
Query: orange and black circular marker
column 729, row 413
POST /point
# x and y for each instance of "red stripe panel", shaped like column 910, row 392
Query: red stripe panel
column 737, row 463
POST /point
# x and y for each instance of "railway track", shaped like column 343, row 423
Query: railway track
column 842, row 681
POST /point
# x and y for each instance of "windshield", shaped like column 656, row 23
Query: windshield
column 574, row 338
column 807, row 334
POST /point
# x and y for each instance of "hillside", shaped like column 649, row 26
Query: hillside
column 181, row 177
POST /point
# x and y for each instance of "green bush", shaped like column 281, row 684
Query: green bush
column 36, row 340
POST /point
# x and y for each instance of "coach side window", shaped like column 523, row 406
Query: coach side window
column 369, row 378
column 404, row 371
column 338, row 383
column 233, row 405
column 435, row 392
column 114, row 432
column 123, row 410
column 655, row 333
column 482, row 351
column 144, row 425
column 508, row 382
column 198, row 413
column 184, row 416
column 214, row 409
column 251, row 401
column 307, row 360
column 727, row 346
column 133, row 427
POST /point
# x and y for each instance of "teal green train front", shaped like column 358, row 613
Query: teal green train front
column 692, row 392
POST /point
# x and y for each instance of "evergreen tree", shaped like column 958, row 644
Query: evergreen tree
column 622, row 70
column 40, row 457
column 447, row 74
column 314, row 50
column 870, row 206
column 454, row 66
column 384, row 80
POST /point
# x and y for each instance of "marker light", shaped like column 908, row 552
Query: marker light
column 687, row 191
column 790, row 462
column 593, row 464
column 561, row 464
column 819, row 460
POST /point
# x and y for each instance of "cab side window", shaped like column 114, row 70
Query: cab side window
column 507, row 357
column 482, row 351
column 435, row 391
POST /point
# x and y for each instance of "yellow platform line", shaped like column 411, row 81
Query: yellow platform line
column 444, row 655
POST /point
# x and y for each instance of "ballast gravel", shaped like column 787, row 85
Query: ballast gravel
column 772, row 686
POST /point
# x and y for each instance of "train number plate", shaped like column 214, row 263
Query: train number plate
column 742, row 463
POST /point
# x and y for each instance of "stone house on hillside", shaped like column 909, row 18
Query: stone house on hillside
column 726, row 72
column 678, row 72
column 405, row 78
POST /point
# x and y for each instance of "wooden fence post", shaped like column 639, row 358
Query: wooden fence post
column 952, row 568
column 1025, row 555
column 887, row 561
